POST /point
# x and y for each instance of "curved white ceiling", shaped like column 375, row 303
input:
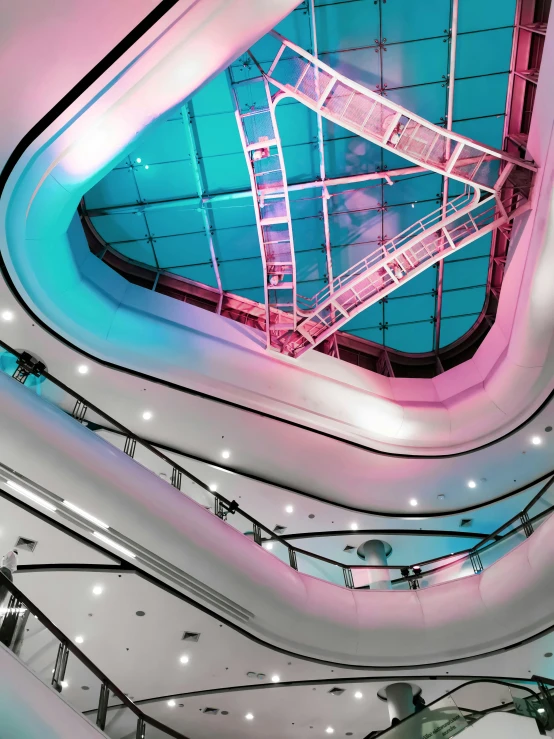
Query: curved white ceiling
column 82, row 300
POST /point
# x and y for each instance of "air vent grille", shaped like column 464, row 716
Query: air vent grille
column 348, row 548
column 191, row 636
column 211, row 711
column 29, row 545
column 280, row 530
column 336, row 691
column 465, row 522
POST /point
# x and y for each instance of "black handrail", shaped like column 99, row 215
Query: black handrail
column 69, row 645
column 223, row 506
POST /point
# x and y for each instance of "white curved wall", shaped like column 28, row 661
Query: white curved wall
column 511, row 600
column 510, row 375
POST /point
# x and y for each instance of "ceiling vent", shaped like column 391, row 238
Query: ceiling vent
column 348, row 548
column 211, row 711
column 280, row 530
column 336, row 691
column 465, row 522
column 27, row 544
column 191, row 636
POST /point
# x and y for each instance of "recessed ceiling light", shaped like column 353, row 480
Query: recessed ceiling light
column 329, row 730
column 82, row 369
column 79, row 640
column 540, row 710
column 184, row 659
column 249, row 716
column 147, row 415
column 536, row 440
column 358, row 695
column 138, row 160
column 225, row 454
column 28, row 494
column 213, row 487
column 7, row 315
column 354, row 526
column 289, row 509
column 413, row 502
column 275, row 679
column 146, row 166
column 171, row 703
column 64, row 684
column 97, row 590
column 472, row 484
column 85, row 514
column 268, row 545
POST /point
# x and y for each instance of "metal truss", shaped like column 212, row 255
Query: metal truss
column 264, row 158
column 300, row 75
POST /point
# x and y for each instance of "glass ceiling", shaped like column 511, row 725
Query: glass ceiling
column 397, row 47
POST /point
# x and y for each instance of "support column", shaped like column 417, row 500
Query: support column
column 400, row 701
column 375, row 553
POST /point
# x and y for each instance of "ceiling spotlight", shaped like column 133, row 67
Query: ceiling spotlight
column 329, row 730
column 184, row 659
column 275, row 679
column 82, row 369
column 269, row 545
column 354, row 526
column 147, row 415
column 225, row 454
column 249, row 716
column 213, row 487
column 413, row 502
column 146, row 166
column 289, row 509
column 358, row 695
column 7, row 315
column 97, row 590
column 138, row 160
column 171, row 703
column 79, row 640
column 540, row 710
column 64, row 684
column 536, row 440
column 472, row 484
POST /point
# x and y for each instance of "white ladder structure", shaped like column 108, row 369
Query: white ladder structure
column 497, row 188
column 264, row 158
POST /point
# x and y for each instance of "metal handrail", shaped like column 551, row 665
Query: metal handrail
column 96, row 671
column 224, row 506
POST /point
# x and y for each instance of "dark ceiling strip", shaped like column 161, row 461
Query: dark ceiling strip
column 512, row 682
column 61, row 567
column 388, row 532
column 297, row 491
column 153, row 580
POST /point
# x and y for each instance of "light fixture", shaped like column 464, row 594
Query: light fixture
column 97, row 590
column 84, row 514
column 329, row 730
column 7, row 315
column 171, row 703
column 413, row 502
column 82, row 369
column 28, row 494
column 354, row 526
column 114, row 544
column 138, row 160
column 289, row 509
column 358, row 695
column 536, row 440
column 147, row 415
column 213, row 487
column 79, row 640
column 64, row 684
column 249, row 716
column 146, row 166
column 225, row 454
column 269, row 545
column 275, row 679
column 472, row 484
column 540, row 710
column 184, row 659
